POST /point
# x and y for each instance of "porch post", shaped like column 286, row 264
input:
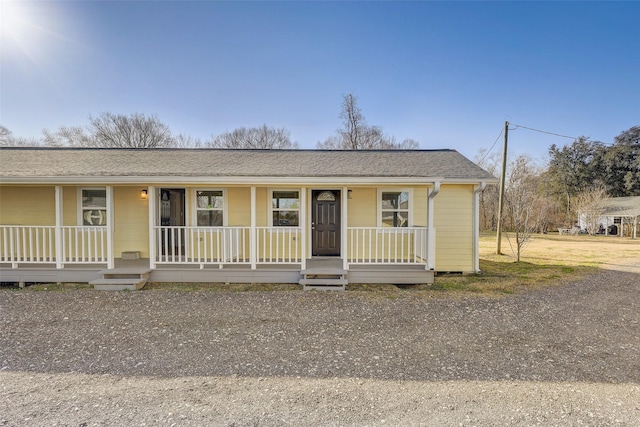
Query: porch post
column 343, row 227
column 58, row 229
column 110, row 260
column 304, row 228
column 253, row 250
column 476, row 225
column 431, row 231
column 152, row 197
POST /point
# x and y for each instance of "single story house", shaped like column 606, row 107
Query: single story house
column 237, row 216
column 623, row 213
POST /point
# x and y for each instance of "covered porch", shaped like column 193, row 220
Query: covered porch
column 252, row 253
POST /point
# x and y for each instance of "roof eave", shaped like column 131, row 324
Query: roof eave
column 229, row 180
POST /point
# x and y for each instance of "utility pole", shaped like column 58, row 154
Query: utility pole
column 502, row 181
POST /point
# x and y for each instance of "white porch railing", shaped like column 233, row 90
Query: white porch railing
column 84, row 245
column 209, row 245
column 279, row 245
column 32, row 244
column 387, row 245
column 202, row 245
column 227, row 245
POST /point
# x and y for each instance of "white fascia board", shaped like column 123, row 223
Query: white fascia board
column 231, row 180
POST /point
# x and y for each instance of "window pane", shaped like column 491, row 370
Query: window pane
column 94, row 198
column 94, row 217
column 285, row 200
column 395, row 200
column 395, row 208
column 210, row 199
column 395, row 219
column 285, row 219
column 209, row 218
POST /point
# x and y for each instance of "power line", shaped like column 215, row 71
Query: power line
column 544, row 131
column 557, row 134
column 492, row 145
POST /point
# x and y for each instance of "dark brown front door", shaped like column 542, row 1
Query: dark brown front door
column 325, row 223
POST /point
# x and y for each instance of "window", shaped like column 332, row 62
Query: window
column 210, row 208
column 285, row 208
column 93, row 206
column 394, row 208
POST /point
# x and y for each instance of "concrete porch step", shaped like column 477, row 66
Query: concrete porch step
column 119, row 284
column 323, row 271
column 324, row 284
column 125, row 271
column 122, row 279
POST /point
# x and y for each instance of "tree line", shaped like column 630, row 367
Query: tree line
column 577, row 178
column 137, row 130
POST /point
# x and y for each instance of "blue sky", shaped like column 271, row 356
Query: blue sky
column 447, row 74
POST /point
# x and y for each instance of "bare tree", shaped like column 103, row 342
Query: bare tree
column 590, row 207
column 5, row 136
column 69, row 136
column 490, row 196
column 524, row 206
column 134, row 131
column 356, row 134
column 186, row 141
column 8, row 140
column 263, row 137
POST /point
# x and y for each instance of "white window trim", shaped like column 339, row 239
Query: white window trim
column 194, row 205
column 390, row 190
column 270, row 210
column 80, row 213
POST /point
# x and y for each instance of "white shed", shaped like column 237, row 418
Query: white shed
column 623, row 212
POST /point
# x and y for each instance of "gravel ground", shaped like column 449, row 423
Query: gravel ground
column 562, row 355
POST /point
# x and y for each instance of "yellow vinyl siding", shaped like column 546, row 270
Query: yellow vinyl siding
column 362, row 207
column 25, row 205
column 262, row 207
column 239, row 209
column 70, row 196
column 419, row 217
column 453, row 221
column 131, row 221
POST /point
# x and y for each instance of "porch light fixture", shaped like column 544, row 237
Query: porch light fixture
column 144, row 194
column 349, row 194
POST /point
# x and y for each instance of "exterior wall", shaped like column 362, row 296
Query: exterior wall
column 131, row 221
column 27, row 205
column 70, row 205
column 453, row 218
column 362, row 207
column 262, row 207
column 419, row 207
column 453, row 221
column 239, row 209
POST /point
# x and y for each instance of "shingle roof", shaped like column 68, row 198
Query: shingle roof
column 621, row 206
column 68, row 162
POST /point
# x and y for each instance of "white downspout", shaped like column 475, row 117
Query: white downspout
column 476, row 225
column 431, row 231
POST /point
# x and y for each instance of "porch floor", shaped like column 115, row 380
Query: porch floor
column 232, row 273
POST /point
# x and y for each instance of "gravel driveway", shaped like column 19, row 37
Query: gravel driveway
column 562, row 355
